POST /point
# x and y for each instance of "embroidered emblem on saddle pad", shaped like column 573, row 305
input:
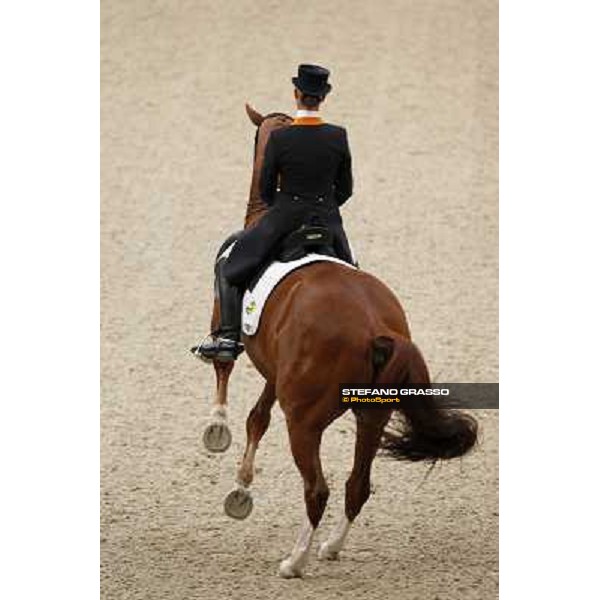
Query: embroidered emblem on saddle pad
column 251, row 307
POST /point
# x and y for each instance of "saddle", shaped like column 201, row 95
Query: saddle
column 312, row 242
column 306, row 239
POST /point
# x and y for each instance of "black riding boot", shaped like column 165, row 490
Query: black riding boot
column 226, row 346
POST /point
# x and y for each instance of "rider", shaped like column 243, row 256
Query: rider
column 311, row 162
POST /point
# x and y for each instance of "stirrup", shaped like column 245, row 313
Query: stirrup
column 217, row 348
column 197, row 350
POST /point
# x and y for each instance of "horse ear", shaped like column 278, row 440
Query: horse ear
column 255, row 117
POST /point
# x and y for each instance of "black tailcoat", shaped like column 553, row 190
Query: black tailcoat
column 312, row 167
column 308, row 159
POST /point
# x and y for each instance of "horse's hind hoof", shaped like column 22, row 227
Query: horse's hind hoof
column 238, row 503
column 217, row 437
column 327, row 553
column 288, row 570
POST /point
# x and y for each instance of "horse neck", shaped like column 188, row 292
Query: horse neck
column 256, row 207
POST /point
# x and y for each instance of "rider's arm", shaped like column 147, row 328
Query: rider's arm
column 268, row 177
column 343, row 180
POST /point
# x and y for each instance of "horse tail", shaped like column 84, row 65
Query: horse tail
column 429, row 432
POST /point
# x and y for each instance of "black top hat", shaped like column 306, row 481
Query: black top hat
column 312, row 80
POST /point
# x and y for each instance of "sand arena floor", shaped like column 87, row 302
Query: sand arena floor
column 415, row 83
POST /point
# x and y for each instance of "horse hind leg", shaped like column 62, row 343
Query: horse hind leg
column 305, row 444
column 238, row 503
column 217, row 435
column 369, row 429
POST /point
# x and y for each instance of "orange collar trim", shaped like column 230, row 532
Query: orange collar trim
column 307, row 121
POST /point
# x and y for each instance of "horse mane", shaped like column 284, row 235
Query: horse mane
column 255, row 204
column 269, row 116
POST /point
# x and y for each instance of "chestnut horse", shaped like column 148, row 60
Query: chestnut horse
column 324, row 324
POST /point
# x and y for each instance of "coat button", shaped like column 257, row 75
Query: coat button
column 295, row 197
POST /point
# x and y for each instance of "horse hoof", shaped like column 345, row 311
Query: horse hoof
column 217, row 437
column 287, row 570
column 238, row 503
column 326, row 553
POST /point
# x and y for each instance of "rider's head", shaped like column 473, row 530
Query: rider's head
column 311, row 86
column 307, row 101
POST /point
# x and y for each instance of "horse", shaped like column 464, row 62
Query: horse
column 324, row 324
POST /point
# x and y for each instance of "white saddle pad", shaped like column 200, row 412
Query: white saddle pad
column 255, row 300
